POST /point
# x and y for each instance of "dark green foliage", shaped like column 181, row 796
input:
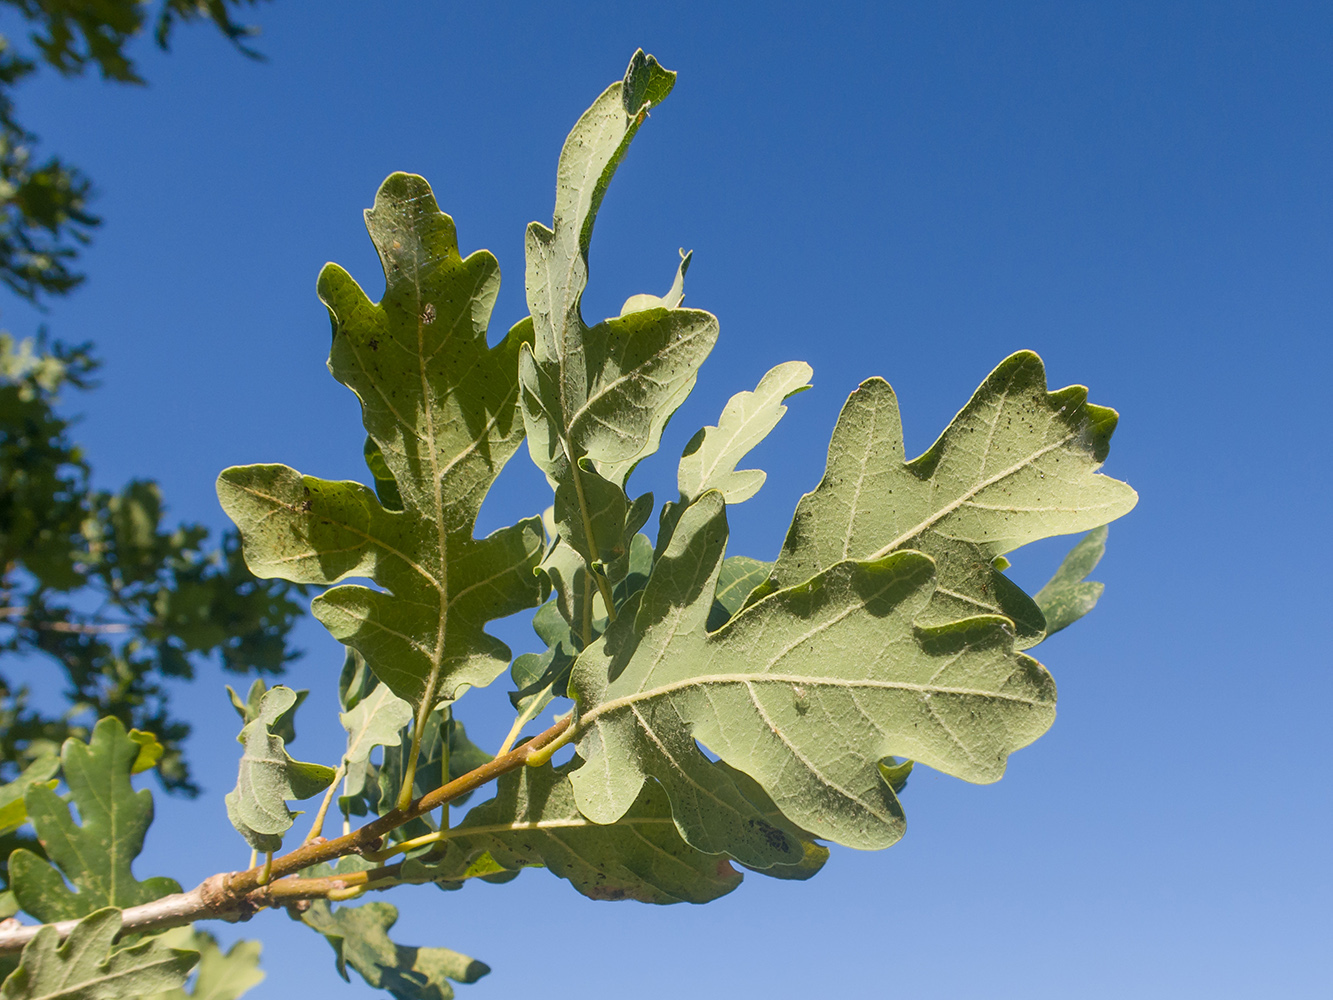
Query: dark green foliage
column 164, row 599
column 44, row 216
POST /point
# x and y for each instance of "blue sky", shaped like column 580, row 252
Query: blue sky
column 1138, row 191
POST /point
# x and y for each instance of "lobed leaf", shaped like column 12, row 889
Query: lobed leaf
column 359, row 936
column 595, row 400
column 376, row 721
column 439, row 406
column 13, row 809
column 219, row 975
column 95, row 854
column 268, row 776
column 711, row 456
column 1017, row 463
column 533, row 822
column 85, row 967
column 249, row 711
column 1069, row 595
column 805, row 691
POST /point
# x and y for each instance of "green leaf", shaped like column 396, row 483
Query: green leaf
column 1018, row 463
column 1068, row 595
column 737, row 578
column 150, row 751
column 95, row 855
column 376, row 721
column 440, row 407
column 710, row 458
column 596, row 399
column 533, row 822
column 248, row 710
column 674, row 296
column 13, row 810
column 219, row 975
column 85, row 968
column 360, row 938
column 805, row 691
column 268, row 776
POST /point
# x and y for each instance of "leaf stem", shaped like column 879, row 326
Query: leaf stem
column 522, row 719
column 237, row 895
column 317, row 827
column 410, row 771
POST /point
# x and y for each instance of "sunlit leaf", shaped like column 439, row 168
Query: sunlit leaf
column 805, row 691
column 96, row 853
column 1017, row 463
column 85, row 968
column 440, row 408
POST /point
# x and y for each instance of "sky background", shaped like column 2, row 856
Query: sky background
column 1140, row 192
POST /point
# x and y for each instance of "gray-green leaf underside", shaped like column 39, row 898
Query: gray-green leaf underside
column 710, row 458
column 268, row 776
column 533, row 822
column 805, row 691
column 359, row 936
column 596, row 399
column 1069, row 595
column 85, row 968
column 1017, row 463
column 96, row 853
column 440, row 409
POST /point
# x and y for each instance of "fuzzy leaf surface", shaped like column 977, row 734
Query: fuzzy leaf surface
column 805, row 691
column 710, row 458
column 84, row 967
column 1069, row 595
column 359, row 936
column 440, row 408
column 95, row 854
column 596, row 399
column 268, row 776
column 533, row 821
column 376, row 721
column 1017, row 463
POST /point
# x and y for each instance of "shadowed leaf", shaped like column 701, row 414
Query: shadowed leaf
column 268, row 776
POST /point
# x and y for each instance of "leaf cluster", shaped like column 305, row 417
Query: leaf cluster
column 725, row 712
column 86, row 875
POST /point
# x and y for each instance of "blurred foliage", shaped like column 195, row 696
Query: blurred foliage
column 44, row 215
column 97, row 583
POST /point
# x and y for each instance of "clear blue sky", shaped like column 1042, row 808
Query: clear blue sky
column 1138, row 191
